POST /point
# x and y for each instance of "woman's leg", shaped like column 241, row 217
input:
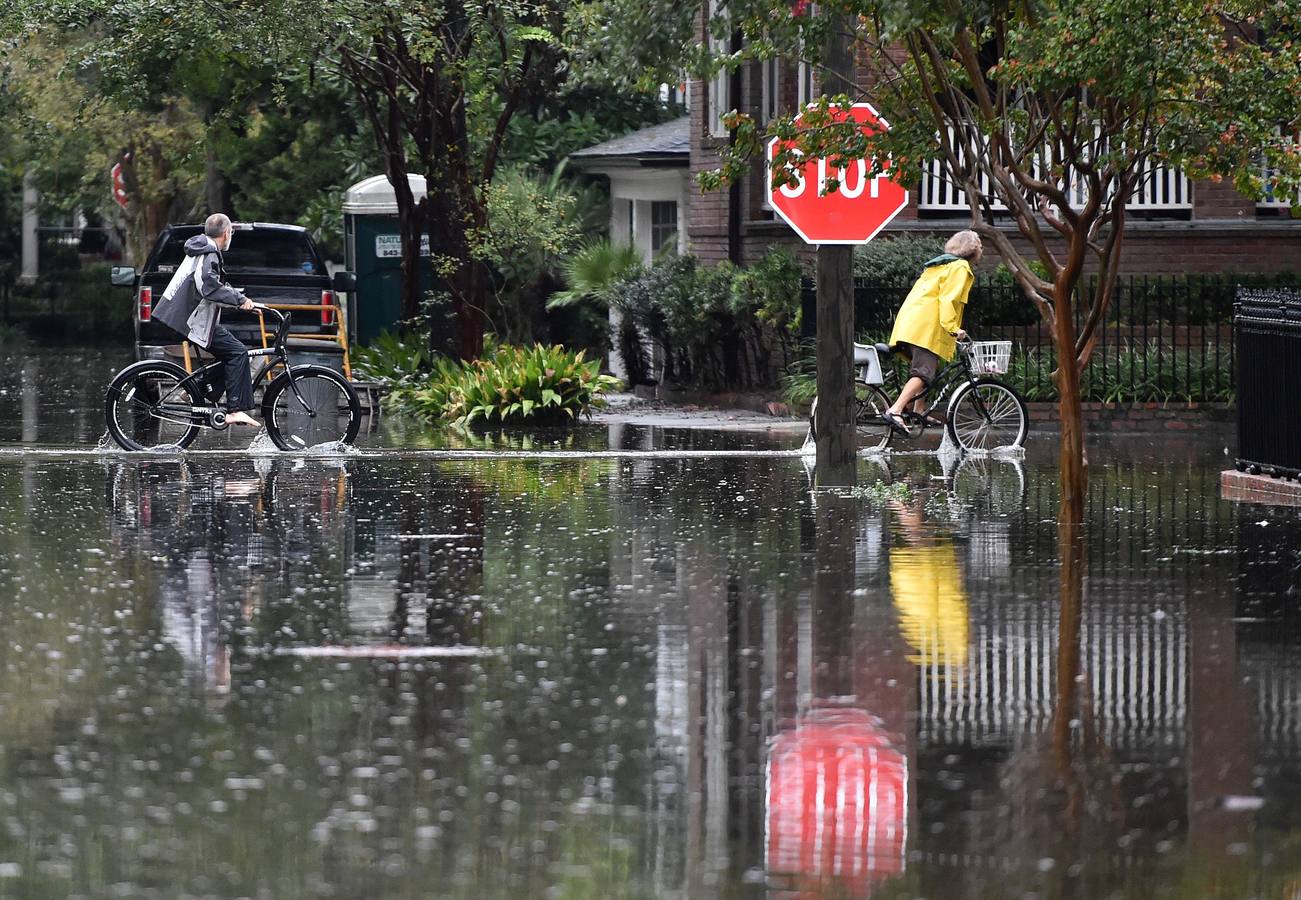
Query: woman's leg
column 921, row 371
column 234, row 357
column 910, row 391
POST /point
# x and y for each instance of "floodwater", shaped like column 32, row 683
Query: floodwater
column 412, row 676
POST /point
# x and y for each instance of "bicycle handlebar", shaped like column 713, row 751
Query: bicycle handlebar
column 284, row 317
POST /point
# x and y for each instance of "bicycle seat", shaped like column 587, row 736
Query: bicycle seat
column 885, row 351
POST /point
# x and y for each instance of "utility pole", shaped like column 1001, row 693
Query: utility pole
column 834, row 418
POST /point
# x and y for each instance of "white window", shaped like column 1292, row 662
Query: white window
column 720, row 102
column 674, row 94
column 769, row 71
column 806, row 86
column 664, row 225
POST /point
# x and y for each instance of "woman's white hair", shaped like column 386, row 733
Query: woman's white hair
column 965, row 244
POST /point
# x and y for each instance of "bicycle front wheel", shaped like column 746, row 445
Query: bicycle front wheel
column 149, row 405
column 987, row 415
column 325, row 409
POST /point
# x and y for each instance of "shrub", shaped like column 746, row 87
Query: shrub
column 592, row 274
column 717, row 325
column 770, row 288
column 800, row 381
column 394, row 361
column 895, row 261
column 538, row 385
column 1150, row 373
column 533, row 224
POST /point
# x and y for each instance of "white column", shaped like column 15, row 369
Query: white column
column 641, row 229
column 641, row 239
column 620, row 233
column 684, row 215
column 31, row 219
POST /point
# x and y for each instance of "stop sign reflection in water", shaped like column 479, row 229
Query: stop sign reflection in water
column 852, row 214
column 837, row 802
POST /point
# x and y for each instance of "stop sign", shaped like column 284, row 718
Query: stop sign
column 855, row 211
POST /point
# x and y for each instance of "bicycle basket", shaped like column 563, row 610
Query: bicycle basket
column 989, row 357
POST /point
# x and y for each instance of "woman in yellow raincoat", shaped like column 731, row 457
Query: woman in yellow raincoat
column 930, row 321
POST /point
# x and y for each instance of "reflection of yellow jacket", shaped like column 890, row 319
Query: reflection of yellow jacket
column 933, row 308
column 927, row 587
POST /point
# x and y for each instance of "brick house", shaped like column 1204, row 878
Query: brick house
column 1175, row 226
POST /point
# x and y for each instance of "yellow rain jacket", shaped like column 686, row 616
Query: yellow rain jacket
column 926, row 584
column 933, row 308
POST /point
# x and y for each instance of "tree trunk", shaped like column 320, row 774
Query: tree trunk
column 1074, row 464
column 411, row 213
column 469, row 294
column 216, row 185
column 1070, row 544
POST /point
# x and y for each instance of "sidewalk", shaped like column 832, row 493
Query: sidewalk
column 1214, row 421
column 629, row 409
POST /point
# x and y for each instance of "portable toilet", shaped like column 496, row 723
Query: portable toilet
column 373, row 250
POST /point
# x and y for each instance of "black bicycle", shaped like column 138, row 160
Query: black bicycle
column 155, row 404
column 984, row 413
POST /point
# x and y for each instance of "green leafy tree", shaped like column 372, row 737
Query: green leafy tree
column 533, row 224
column 439, row 83
column 200, row 121
column 1049, row 113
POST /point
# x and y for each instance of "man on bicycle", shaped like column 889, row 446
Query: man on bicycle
column 191, row 306
column 929, row 323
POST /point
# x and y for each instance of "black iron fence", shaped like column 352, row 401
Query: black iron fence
column 1163, row 339
column 1269, row 414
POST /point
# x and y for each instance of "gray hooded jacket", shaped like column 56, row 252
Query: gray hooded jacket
column 189, row 305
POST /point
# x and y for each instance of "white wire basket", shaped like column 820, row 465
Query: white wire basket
column 989, row 357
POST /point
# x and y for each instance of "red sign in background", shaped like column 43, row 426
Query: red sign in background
column 852, row 214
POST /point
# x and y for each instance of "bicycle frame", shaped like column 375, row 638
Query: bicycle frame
column 195, row 379
column 948, row 378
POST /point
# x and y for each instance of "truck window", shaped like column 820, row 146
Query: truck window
column 255, row 249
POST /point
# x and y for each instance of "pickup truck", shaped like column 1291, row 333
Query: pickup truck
column 272, row 263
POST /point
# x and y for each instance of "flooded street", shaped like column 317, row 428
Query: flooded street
column 414, row 675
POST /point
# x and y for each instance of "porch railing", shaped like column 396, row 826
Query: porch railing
column 1159, row 189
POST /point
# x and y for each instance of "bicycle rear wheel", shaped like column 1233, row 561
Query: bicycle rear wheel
column 149, row 406
column 332, row 413
column 869, row 402
column 987, row 415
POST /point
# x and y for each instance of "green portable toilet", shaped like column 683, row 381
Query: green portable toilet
column 373, row 249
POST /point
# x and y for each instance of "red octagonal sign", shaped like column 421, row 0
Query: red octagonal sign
column 857, row 210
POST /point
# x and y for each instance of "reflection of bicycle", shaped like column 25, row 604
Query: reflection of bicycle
column 984, row 413
column 157, row 404
column 993, row 485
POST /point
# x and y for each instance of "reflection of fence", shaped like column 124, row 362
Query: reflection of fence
column 1152, row 543
column 1135, row 666
column 1162, row 339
